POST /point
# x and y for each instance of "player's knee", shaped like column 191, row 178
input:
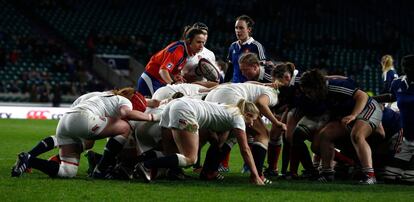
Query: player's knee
column 67, row 170
column 357, row 139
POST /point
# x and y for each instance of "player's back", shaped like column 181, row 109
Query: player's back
column 103, row 105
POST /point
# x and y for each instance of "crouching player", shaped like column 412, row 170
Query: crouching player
column 96, row 118
column 184, row 117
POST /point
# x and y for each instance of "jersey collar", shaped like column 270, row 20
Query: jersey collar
column 248, row 41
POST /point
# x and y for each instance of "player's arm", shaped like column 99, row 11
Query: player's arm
column 262, row 102
column 361, row 99
column 153, row 103
column 168, row 64
column 247, row 155
column 127, row 113
column 165, row 75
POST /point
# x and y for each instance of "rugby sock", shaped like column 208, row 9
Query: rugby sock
column 294, row 159
column 259, row 154
column 198, row 163
column 112, row 148
column 50, row 168
column 43, row 146
column 149, row 155
column 225, row 161
column 369, row 172
column 342, row 158
column 273, row 155
column 316, row 161
column 213, row 157
column 305, row 157
column 285, row 156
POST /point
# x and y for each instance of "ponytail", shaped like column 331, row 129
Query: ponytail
column 247, row 107
column 127, row 92
column 386, row 62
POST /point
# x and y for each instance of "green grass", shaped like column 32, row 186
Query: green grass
column 21, row 135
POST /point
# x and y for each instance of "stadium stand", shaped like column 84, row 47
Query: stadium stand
column 346, row 37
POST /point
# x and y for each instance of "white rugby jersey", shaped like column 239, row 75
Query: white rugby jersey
column 212, row 116
column 89, row 95
column 188, row 89
column 232, row 93
column 205, row 53
column 103, row 105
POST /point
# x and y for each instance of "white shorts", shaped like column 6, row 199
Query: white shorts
column 371, row 114
column 179, row 116
column 406, row 150
column 73, row 127
column 148, row 135
column 223, row 96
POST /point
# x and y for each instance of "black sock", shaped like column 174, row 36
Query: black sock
column 213, row 159
column 285, row 156
column 43, row 146
column 112, row 149
column 259, row 155
column 198, row 163
column 305, row 157
column 51, row 168
column 170, row 161
column 148, row 155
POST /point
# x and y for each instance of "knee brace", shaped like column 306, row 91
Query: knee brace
column 68, row 167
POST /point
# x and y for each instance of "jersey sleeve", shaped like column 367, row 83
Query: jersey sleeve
column 273, row 97
column 342, row 87
column 124, row 102
column 260, row 51
column 238, row 122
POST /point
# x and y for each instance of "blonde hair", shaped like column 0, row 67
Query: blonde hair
column 387, row 62
column 249, row 59
column 126, row 92
column 247, row 107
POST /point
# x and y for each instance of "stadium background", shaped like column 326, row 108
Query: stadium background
column 47, row 47
column 47, row 55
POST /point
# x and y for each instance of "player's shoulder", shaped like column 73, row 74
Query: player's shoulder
column 176, row 46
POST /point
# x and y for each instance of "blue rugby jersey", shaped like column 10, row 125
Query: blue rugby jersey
column 340, row 98
column 390, row 122
column 403, row 90
column 236, row 50
column 388, row 77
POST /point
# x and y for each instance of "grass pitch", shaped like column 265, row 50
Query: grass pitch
column 22, row 135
